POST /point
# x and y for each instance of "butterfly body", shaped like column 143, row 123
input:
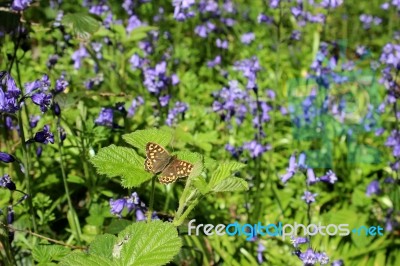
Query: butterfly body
column 158, row 160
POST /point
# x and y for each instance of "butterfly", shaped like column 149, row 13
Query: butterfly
column 159, row 160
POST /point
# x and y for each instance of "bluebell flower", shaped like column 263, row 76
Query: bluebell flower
column 309, row 197
column 6, row 158
column 331, row 3
column 10, row 214
column 133, row 23
column 61, row 84
column 164, row 100
column 296, row 241
column 274, row 3
column 255, row 149
column 308, row 257
column 117, row 206
column 138, row 101
column 6, row 182
column 179, row 108
column 393, row 141
column 373, row 188
column 79, row 55
column 329, row 177
column 262, row 18
column 140, row 216
column 106, row 117
column 222, row 43
column 260, row 250
column 216, row 61
column 44, row 136
column 311, row 179
column 337, row 263
column 20, row 5
column 43, row 100
column 33, row 120
column 247, row 38
column 9, row 93
column 135, row 61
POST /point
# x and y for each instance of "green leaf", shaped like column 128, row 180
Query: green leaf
column 140, row 138
column 224, row 171
column 120, row 161
column 154, row 243
column 102, row 245
column 81, row 259
column 83, row 25
column 117, row 226
column 73, row 222
column 140, row 33
column 231, row 184
column 200, row 184
column 49, row 253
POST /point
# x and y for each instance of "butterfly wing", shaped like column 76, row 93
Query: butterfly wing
column 157, row 158
column 176, row 169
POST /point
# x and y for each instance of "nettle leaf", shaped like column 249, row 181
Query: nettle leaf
column 83, row 25
column 115, row 161
column 231, row 184
column 222, row 172
column 102, row 245
column 154, row 243
column 49, row 253
column 81, row 259
column 140, row 138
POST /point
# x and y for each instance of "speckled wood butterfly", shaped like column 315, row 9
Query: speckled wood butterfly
column 159, row 160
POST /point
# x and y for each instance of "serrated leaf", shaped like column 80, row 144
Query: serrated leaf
column 200, row 184
column 115, row 161
column 224, row 171
column 81, row 259
column 49, row 253
column 154, row 243
column 83, row 25
column 102, row 245
column 140, row 138
column 231, row 184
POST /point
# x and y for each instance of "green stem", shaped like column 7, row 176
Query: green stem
column 64, row 177
column 26, row 162
column 181, row 218
column 153, row 187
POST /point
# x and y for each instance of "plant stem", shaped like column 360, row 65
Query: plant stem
column 153, row 187
column 64, row 177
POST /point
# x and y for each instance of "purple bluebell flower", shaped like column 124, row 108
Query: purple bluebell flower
column 222, row 43
column 79, row 55
column 179, row 108
column 117, row 206
column 10, row 214
column 329, row 177
column 140, row 215
column 182, row 9
column 44, row 136
column 255, row 149
column 164, row 100
column 63, row 134
column 274, row 3
column 311, row 179
column 61, row 84
column 260, row 250
column 308, row 257
column 337, row 263
column 174, row 79
column 309, row 197
column 106, row 117
column 9, row 93
column 331, row 3
column 204, row 29
column 247, row 38
column 373, row 188
column 43, row 100
column 20, row 5
column 52, row 61
column 6, row 158
column 133, row 23
column 262, row 18
column 135, row 61
column 296, row 241
column 393, row 141
column 295, row 35
column 39, row 151
column 322, row 258
column 216, row 61
column 6, row 182
column 301, row 164
column 234, row 151
column 138, row 101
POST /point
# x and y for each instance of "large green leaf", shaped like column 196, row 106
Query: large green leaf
column 83, row 25
column 102, row 245
column 121, row 161
column 154, row 243
column 140, row 138
column 81, row 259
column 49, row 253
column 231, row 184
column 224, row 171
